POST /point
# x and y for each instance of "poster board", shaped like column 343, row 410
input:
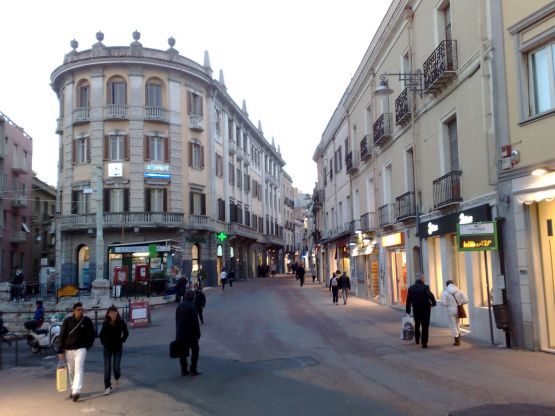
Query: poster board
column 139, row 314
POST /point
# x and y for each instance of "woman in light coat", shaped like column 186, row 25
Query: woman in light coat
column 450, row 299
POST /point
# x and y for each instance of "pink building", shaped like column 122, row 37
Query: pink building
column 16, row 148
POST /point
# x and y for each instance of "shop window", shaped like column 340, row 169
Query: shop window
column 195, row 258
column 482, row 276
column 435, row 277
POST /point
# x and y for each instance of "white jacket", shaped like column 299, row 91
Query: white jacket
column 448, row 299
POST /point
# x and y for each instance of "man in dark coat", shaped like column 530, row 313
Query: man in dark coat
column 199, row 302
column 17, row 284
column 299, row 271
column 188, row 333
column 344, row 283
column 421, row 299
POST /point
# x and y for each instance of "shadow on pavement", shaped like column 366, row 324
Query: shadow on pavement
column 506, row 410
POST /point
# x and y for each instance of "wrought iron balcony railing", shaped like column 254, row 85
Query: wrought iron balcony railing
column 354, row 226
column 382, row 129
column 447, row 189
column 365, row 151
column 402, row 108
column 440, row 67
column 405, row 207
column 368, row 221
column 81, row 115
column 115, row 112
column 155, row 113
column 351, row 162
column 385, row 215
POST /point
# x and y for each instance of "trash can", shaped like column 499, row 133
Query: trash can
column 502, row 315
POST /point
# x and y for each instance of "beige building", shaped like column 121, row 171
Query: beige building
column 525, row 109
column 412, row 150
column 161, row 166
column 289, row 229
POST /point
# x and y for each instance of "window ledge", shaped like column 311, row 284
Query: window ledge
column 537, row 117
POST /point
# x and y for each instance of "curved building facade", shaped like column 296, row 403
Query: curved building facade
column 154, row 152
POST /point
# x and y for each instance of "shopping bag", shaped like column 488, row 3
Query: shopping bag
column 61, row 376
column 407, row 328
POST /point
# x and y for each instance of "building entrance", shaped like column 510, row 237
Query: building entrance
column 547, row 241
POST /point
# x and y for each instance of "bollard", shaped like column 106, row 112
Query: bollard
column 1, row 348
column 16, row 350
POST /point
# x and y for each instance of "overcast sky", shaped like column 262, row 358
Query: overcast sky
column 290, row 60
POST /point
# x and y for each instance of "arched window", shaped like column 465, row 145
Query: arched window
column 117, row 91
column 195, row 256
column 83, row 94
column 153, row 93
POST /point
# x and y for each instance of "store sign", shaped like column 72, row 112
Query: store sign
column 157, row 171
column 139, row 249
column 115, row 170
column 392, row 240
column 154, row 175
column 448, row 223
column 479, row 236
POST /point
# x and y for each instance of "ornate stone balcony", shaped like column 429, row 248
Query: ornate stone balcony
column 201, row 222
column 402, row 108
column 231, row 147
column 447, row 190
column 156, row 113
column 241, row 230
column 115, row 112
column 59, row 125
column 195, row 122
column 81, row 115
column 123, row 219
column 440, row 67
column 382, row 129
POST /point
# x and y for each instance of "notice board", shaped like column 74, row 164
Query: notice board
column 139, row 314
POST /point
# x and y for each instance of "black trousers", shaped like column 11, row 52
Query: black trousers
column 194, row 347
column 335, row 294
column 199, row 311
column 421, row 319
column 109, row 357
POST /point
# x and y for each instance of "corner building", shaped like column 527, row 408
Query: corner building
column 154, row 150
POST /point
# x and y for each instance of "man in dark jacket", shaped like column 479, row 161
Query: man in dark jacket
column 299, row 271
column 421, row 299
column 17, row 284
column 188, row 333
column 199, row 302
column 77, row 336
column 345, row 286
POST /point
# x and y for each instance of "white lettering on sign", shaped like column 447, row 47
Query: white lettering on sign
column 432, row 228
column 464, row 219
column 477, row 228
column 157, row 167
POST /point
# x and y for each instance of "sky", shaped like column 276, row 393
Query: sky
column 290, row 60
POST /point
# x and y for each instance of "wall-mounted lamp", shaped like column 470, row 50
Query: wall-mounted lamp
column 412, row 80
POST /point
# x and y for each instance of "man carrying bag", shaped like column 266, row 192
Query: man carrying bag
column 187, row 335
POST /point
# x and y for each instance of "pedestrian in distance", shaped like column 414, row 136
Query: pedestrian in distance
column 180, row 288
column 223, row 278
column 451, row 299
column 313, row 275
column 188, row 334
column 345, row 286
column 77, row 336
column 112, row 336
column 421, row 300
column 299, row 271
column 334, row 288
column 294, row 270
column 17, row 284
column 231, row 277
column 199, row 302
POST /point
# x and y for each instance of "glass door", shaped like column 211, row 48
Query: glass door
column 547, row 241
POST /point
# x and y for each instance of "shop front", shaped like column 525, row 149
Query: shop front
column 364, row 261
column 395, row 263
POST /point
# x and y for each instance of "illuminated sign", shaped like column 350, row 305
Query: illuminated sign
column 115, row 170
column 221, row 236
column 155, row 175
column 465, row 219
column 157, row 167
column 392, row 240
column 477, row 236
column 432, row 228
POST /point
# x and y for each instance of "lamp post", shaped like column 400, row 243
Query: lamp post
column 99, row 226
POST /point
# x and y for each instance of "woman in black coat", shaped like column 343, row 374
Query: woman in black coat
column 113, row 334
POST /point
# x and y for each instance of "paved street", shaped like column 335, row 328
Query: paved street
column 270, row 347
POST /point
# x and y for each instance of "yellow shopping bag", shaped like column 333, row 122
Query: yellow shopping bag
column 61, row 376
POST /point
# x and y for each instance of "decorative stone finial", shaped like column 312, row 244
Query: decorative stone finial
column 221, row 80
column 244, row 107
column 206, row 59
column 136, row 46
column 74, row 44
column 99, row 36
column 136, row 35
column 279, row 150
column 273, row 143
column 260, row 127
column 171, row 41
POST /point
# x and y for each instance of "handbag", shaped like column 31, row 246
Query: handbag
column 461, row 313
column 176, row 349
column 61, row 376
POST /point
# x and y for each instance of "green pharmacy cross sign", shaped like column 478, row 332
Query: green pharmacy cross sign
column 221, row 236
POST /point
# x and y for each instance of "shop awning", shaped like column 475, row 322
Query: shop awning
column 143, row 246
column 541, row 189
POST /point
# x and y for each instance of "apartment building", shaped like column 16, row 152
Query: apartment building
column 16, row 151
column 161, row 167
column 409, row 154
column 289, row 229
column 524, row 54
column 43, row 203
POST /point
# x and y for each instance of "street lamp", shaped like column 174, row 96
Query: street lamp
column 412, row 80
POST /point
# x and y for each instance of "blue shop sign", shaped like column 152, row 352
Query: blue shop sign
column 157, row 175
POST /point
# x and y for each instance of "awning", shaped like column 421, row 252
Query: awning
column 542, row 189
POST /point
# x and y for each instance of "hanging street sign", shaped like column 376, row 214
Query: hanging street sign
column 477, row 236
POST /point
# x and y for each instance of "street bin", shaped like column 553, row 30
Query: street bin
column 502, row 315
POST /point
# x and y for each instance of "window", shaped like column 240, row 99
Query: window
column 331, row 169
column 197, row 203
column 231, row 174
column 153, row 95
column 453, row 144
column 221, row 209
column 117, row 92
column 447, row 21
column 219, row 117
column 117, row 144
column 230, row 130
column 196, row 155
column 80, row 202
column 156, row 200
column 247, row 181
column 116, row 200
column 83, row 98
column 156, row 148
column 542, row 79
column 219, row 166
column 194, row 104
column 81, row 150
column 195, row 258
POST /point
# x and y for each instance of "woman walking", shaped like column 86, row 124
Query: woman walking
column 451, row 299
column 113, row 334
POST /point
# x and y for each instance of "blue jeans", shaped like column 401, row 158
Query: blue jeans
column 110, row 356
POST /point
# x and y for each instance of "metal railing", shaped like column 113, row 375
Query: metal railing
column 385, row 215
column 365, row 152
column 440, row 66
column 405, row 206
column 402, row 108
column 382, row 129
column 447, row 189
column 368, row 221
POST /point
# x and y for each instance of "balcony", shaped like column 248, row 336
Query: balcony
column 18, row 237
column 232, row 148
column 241, row 230
column 351, row 162
column 59, row 125
column 385, row 215
column 20, row 167
column 365, row 151
column 402, row 108
column 246, row 159
column 195, row 122
column 273, row 239
column 123, row 219
column 115, row 112
column 354, row 226
column 368, row 222
column 405, row 207
column 240, row 154
column 382, row 129
column 19, row 200
column 201, row 222
column 440, row 67
column 319, row 197
column 82, row 115
column 156, row 113
column 3, row 183
column 447, row 190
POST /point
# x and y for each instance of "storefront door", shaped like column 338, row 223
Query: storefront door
column 398, row 259
column 547, row 241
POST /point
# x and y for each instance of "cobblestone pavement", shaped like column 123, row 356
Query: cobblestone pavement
column 271, row 347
